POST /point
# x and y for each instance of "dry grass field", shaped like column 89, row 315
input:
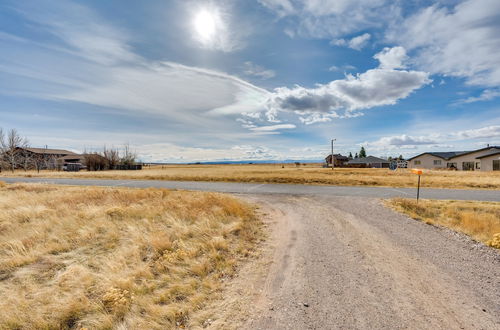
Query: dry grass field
column 309, row 174
column 102, row 258
column 480, row 220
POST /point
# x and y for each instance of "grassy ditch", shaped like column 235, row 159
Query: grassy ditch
column 480, row 220
column 103, row 258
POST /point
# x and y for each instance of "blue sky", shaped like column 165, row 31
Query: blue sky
column 186, row 81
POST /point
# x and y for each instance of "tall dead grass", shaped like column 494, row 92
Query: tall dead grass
column 102, row 258
column 480, row 220
column 288, row 173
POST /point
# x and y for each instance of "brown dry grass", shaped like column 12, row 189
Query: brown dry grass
column 310, row 174
column 104, row 258
column 480, row 220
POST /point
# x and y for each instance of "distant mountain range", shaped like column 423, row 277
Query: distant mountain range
column 285, row 161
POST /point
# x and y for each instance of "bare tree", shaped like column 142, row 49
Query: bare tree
column 112, row 157
column 2, row 150
column 13, row 148
column 128, row 156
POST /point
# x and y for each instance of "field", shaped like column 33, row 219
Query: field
column 480, row 220
column 289, row 173
column 102, row 258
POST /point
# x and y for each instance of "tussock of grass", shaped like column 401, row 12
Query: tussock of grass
column 480, row 220
column 310, row 174
column 116, row 258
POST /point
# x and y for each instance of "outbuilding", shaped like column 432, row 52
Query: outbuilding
column 369, row 161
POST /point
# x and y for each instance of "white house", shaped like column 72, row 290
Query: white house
column 480, row 159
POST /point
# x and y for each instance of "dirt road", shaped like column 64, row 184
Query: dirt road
column 351, row 263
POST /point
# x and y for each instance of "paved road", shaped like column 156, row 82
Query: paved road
column 295, row 189
column 351, row 263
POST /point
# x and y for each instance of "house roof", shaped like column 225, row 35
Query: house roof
column 367, row 160
column 493, row 152
column 49, row 151
column 337, row 156
column 444, row 155
column 452, row 154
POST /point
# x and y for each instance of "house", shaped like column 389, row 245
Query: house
column 339, row 160
column 459, row 160
column 44, row 158
column 490, row 161
column 369, row 161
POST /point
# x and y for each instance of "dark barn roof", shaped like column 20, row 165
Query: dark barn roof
column 368, row 160
column 337, row 157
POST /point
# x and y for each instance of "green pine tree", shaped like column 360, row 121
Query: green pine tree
column 356, row 156
column 362, row 152
column 350, row 155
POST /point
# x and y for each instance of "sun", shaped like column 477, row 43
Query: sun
column 205, row 25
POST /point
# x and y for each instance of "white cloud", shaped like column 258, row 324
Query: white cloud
column 437, row 138
column 332, row 18
column 356, row 43
column 375, row 87
column 486, row 95
column 392, row 58
column 346, row 67
column 91, row 62
column 273, row 128
column 462, row 41
column 255, row 70
column 480, row 133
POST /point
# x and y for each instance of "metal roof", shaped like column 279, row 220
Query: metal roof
column 444, row 155
column 368, row 160
column 452, row 154
column 493, row 152
column 50, row 151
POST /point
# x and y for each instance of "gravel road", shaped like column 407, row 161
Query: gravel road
column 351, row 263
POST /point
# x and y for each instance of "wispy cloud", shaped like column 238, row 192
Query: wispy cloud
column 255, row 70
column 356, row 43
column 459, row 41
column 486, row 95
column 404, row 140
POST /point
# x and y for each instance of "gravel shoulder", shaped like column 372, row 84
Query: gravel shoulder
column 351, row 263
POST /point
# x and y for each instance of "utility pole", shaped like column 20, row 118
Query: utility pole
column 333, row 161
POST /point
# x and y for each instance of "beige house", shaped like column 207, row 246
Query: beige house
column 481, row 159
column 490, row 161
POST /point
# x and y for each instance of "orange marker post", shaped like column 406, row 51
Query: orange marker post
column 419, row 173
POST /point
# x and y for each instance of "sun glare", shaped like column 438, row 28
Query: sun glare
column 205, row 25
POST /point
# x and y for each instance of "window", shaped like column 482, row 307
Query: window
column 416, row 162
column 468, row 166
column 451, row 165
column 478, row 165
column 437, row 162
column 496, row 165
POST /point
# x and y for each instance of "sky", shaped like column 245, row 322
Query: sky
column 186, row 81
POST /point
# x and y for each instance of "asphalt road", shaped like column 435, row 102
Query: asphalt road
column 295, row 189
